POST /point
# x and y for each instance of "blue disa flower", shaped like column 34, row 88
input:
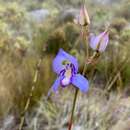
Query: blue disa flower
column 66, row 68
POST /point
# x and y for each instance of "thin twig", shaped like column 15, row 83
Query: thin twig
column 114, row 78
column 30, row 95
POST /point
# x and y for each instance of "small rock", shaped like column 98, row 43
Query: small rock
column 38, row 16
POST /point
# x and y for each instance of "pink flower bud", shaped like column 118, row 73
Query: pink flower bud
column 99, row 42
column 83, row 18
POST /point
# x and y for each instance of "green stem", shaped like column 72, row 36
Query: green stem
column 76, row 92
column 73, row 108
column 74, row 101
column 85, row 32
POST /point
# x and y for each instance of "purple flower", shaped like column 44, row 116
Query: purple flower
column 100, row 42
column 66, row 68
column 83, row 18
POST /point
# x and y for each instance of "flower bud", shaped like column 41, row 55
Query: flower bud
column 100, row 42
column 83, row 18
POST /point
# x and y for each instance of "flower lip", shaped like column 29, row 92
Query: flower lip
column 65, row 82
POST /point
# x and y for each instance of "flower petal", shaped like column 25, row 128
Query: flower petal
column 54, row 87
column 80, row 82
column 60, row 58
column 104, row 42
column 81, row 16
column 93, row 41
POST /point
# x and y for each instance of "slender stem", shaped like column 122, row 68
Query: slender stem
column 85, row 33
column 30, row 96
column 85, row 39
column 73, row 108
column 77, row 90
column 74, row 101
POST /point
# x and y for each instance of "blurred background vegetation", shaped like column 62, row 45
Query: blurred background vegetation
column 34, row 29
